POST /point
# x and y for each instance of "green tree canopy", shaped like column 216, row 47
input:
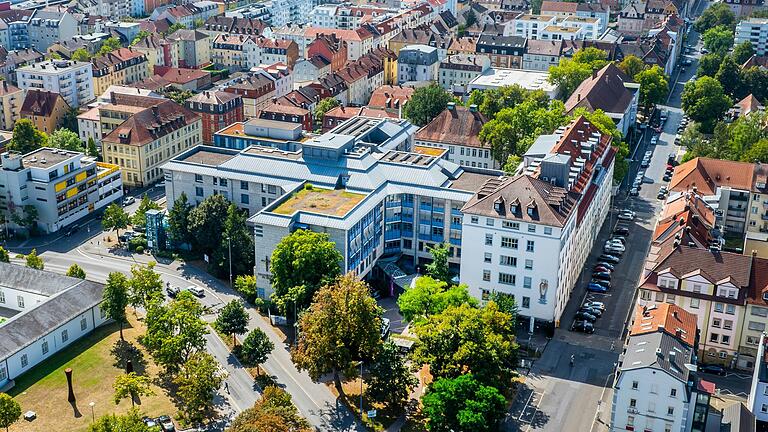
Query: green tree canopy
column 705, row 102
column 274, row 412
column 390, row 381
column 109, row 45
column 206, row 222
column 754, row 80
column 65, row 139
column 197, row 383
column 10, row 411
column 302, row 259
column 178, row 220
column 653, row 86
column 115, row 299
column 130, row 422
column 176, row 331
column 140, row 36
column 139, row 218
column 343, row 325
column 256, row 348
column 175, row 26
column 91, row 149
column 26, row 137
column 27, row 218
column 76, row 271
column 757, row 153
column 232, row 319
column 115, row 218
column 246, row 285
column 729, row 76
column 491, row 101
column 439, row 268
column 709, row 64
column 717, row 14
column 571, row 72
column 426, row 103
column 742, row 52
column 237, row 235
column 34, row 261
column 429, row 297
column 4, row 255
column 146, row 285
column 718, row 39
column 467, row 339
column 131, row 386
column 463, row 404
column 632, row 65
column 81, row 55
column 323, row 107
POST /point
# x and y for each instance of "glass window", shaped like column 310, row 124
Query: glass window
column 509, row 242
column 489, row 240
column 547, row 231
column 245, row 199
column 526, row 282
column 756, row 326
column 506, row 279
column 719, row 307
column 529, row 246
column 486, row 275
column 199, row 191
column 634, row 385
column 508, row 261
column 730, row 309
column 716, row 322
column 488, row 257
column 64, row 335
column 83, row 324
column 489, row 221
column 20, row 301
column 673, row 392
column 198, row 178
column 526, row 302
column 726, row 339
column 670, row 411
column 44, row 347
column 531, row 228
column 695, row 303
column 474, row 219
column 713, row 337
column 529, row 264
column 24, row 360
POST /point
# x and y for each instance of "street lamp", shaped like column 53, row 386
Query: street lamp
column 361, row 390
column 93, row 415
column 229, row 242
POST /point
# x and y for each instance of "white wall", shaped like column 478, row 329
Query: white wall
column 653, row 399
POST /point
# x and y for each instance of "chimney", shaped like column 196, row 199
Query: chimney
column 679, row 333
column 672, row 356
column 451, row 106
column 594, row 73
column 578, row 97
column 473, row 108
column 155, row 111
column 674, row 315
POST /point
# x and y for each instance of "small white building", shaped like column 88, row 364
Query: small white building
column 754, row 31
column 457, row 70
column 417, row 63
column 72, row 80
column 495, row 78
column 50, row 312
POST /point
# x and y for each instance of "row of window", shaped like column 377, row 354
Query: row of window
column 729, row 309
column 486, row 295
column 475, row 220
column 652, row 407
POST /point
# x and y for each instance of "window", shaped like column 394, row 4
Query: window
column 728, row 324
column 645, row 295
column 670, row 298
column 44, row 347
column 756, row 326
column 526, row 282
column 635, row 384
column 630, row 421
column 485, row 294
column 531, row 228
column 633, row 403
column 487, row 275
column 670, row 411
column 24, row 361
column 753, row 340
column 529, row 264
column 726, row 340
column 759, row 311
column 243, row 185
column 730, row 309
column 2, row 297
column 511, row 225
column 547, row 231
column 696, row 288
column 509, row 242
column 529, row 246
column 198, row 178
column 719, row 307
column 474, row 219
column 488, row 257
column 245, row 199
column 507, row 261
column 198, row 191
column 659, row 296
column 506, row 279
column 714, row 337
column 526, row 302
column 723, row 354
column 654, row 388
column 83, row 324
column 716, row 322
column 651, row 407
column 695, row 303
column 489, row 221
column 64, row 335
column 20, row 301
column 673, row 392
column 764, row 408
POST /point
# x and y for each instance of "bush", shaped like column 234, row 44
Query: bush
column 139, row 249
column 136, row 242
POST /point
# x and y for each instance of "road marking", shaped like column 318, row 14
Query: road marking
column 536, row 410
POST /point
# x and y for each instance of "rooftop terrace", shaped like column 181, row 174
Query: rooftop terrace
column 331, row 202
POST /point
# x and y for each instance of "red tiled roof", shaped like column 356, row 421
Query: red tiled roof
column 457, row 126
column 180, row 75
column 40, row 102
column 706, row 175
column 603, row 90
column 152, row 123
column 665, row 317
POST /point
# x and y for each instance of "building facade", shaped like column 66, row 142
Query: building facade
column 72, row 80
column 218, row 110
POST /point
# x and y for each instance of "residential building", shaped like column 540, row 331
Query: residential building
column 611, row 91
column 390, row 97
column 259, row 132
column 530, row 26
column 159, row 51
column 456, row 129
column 456, row 71
column 331, row 48
column 89, row 126
column 51, row 311
column 288, row 113
column 756, row 236
column 757, row 402
column 586, row 10
column 63, row 186
column 227, row 52
column 745, row 8
column 218, row 109
column 504, row 51
column 261, row 50
column 359, row 41
column 290, row 11
column 187, row 14
column 44, row 109
column 463, row 45
column 48, row 26
column 311, row 69
column 390, row 201
column 340, row 114
column 416, row 63
column 495, row 78
column 73, row 80
column 15, row 59
column 11, row 100
column 754, row 31
column 281, row 74
column 126, row 31
column 221, row 24
column 744, row 108
column 119, row 67
column 540, row 55
column 257, row 91
column 194, row 48
column 193, row 80
column 529, row 235
column 149, row 138
column 631, row 19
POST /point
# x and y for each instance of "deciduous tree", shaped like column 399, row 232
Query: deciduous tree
column 115, row 299
column 109, row 45
column 178, row 220
column 428, row 297
column 632, row 65
column 130, row 422
column 653, row 86
column 65, row 139
column 463, row 404
column 426, row 103
column 10, row 411
column 139, row 218
column 34, row 261
column 4, row 255
column 274, row 412
column 115, row 218
column 571, row 72
column 343, row 325
column 26, row 137
column 742, row 52
column 176, row 331
column 206, row 222
column 146, row 285
column 709, row 64
column 91, row 149
column 139, row 36
column 239, row 237
column 390, row 381
column 705, row 102
column 718, row 40
column 716, row 14
column 198, row 381
column 131, row 386
column 76, row 271
column 81, row 55
column 439, row 268
column 232, row 320
column 323, row 107
column 729, row 76
column 256, row 348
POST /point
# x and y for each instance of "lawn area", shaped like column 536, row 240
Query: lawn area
column 333, row 202
column 95, row 367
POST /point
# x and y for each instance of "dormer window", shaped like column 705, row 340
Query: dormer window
column 498, row 205
column 530, row 211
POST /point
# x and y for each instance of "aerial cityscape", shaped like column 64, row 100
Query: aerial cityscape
column 383, row 215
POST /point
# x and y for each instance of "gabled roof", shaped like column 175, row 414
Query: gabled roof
column 652, row 350
column 714, row 266
column 748, row 105
column 603, row 90
column 390, row 96
column 665, row 317
column 187, row 35
column 214, row 97
column 457, row 126
column 152, row 123
column 40, row 102
column 706, row 175
column 544, row 47
column 181, row 75
column 558, row 6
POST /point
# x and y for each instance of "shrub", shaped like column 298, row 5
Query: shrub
column 136, row 242
column 139, row 249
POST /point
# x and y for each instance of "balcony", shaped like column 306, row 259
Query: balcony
column 392, row 235
column 455, row 241
column 425, row 207
column 393, row 218
column 455, row 212
column 456, row 226
column 764, row 216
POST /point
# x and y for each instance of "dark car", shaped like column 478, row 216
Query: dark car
column 166, row 423
column 667, row 177
column 607, row 265
column 584, row 327
column 592, row 311
column 712, row 369
column 621, row 231
column 593, row 287
column 601, row 282
column 584, row 316
column 172, row 291
column 601, row 275
column 602, row 269
column 73, row 229
column 609, row 258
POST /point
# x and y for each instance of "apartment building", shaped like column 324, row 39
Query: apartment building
column 540, row 55
column 417, row 63
column 756, row 237
column 585, row 10
column 391, row 201
column 754, row 31
column 44, row 109
column 359, row 41
column 218, row 109
column 73, row 80
column 188, row 13
column 228, row 52
column 63, row 186
column 331, row 48
column 504, row 51
column 48, row 26
column 457, row 130
column 11, row 100
column 456, row 71
column 529, row 235
column 149, row 138
column 757, row 403
column 89, row 126
column 290, row 12
column 15, row 59
column 119, row 67
column 530, row 26
column 261, row 50
column 159, row 51
column 257, row 90
column 656, row 387
column 194, row 48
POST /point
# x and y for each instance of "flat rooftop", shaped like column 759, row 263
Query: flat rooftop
column 561, row 29
column 499, row 77
column 46, row 157
column 271, row 151
column 408, row 158
column 274, row 124
column 541, row 18
column 332, row 202
column 209, row 157
column 429, row 151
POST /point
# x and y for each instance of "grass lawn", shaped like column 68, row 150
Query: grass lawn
column 319, row 200
column 95, row 367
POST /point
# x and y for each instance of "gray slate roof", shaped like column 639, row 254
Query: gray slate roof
column 641, row 352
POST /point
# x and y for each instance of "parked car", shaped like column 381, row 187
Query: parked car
column 612, row 259
column 602, row 269
column 172, row 291
column 596, row 288
column 712, row 369
column 126, row 236
column 605, row 264
column 584, row 327
column 584, row 316
column 615, row 245
column 661, row 196
column 619, row 239
column 595, row 305
column 73, row 229
column 671, row 159
column 592, row 311
column 613, row 250
column 667, row 176
column 634, row 192
column 645, row 163
column 677, row 139
column 601, row 275
column 150, row 422
column 626, row 215
column 621, row 230
column 602, row 283
column 196, row 291
column 128, row 200
column 166, row 423
column 654, row 140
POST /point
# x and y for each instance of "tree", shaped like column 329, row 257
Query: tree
column 131, row 386
column 729, row 76
column 146, row 285
column 130, row 422
column 342, row 325
column 109, row 45
column 26, row 137
column 197, row 23
column 178, row 220
column 232, row 320
column 743, row 52
column 10, row 411
column 390, row 381
column 239, row 238
column 462, row 404
column 139, row 219
column 175, row 26
column 323, row 107
column 140, row 36
column 653, row 86
column 81, row 55
column 428, row 297
column 65, row 139
column 755, row 81
column 718, row 40
column 176, row 331
column 709, row 64
column 715, row 15
column 256, row 348
column 197, row 383
column 246, row 285
column 302, row 259
column 274, row 412
column 34, row 261
column 513, row 163
column 438, row 268
column 4, row 255
column 465, row 339
column 632, row 65
column 115, row 299
column 178, row 95
column 571, row 72
column 115, row 218
column 27, row 218
column 505, row 303
column 491, row 101
column 91, row 149
column 76, row 271
column 206, row 222
column 426, row 103
column 757, row 153
column 705, row 102
column 69, row 122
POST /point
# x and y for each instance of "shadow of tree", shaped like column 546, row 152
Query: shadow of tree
column 124, row 351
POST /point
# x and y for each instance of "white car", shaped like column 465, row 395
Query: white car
column 616, row 245
column 626, row 216
column 654, row 140
column 128, row 200
column 196, row 290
